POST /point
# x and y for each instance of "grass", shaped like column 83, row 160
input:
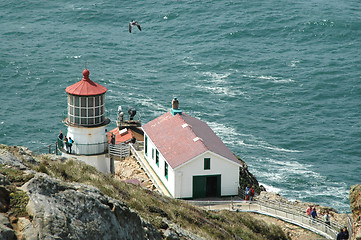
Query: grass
column 155, row 208
column 17, row 198
column 151, row 206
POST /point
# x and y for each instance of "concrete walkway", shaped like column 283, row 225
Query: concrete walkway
column 275, row 211
column 284, row 213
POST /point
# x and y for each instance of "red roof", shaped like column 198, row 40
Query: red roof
column 86, row 87
column 123, row 136
column 180, row 138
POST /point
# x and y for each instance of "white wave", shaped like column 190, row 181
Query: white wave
column 276, row 79
column 191, row 61
column 293, row 63
column 220, row 90
column 270, row 188
column 215, row 77
column 272, row 78
column 75, row 57
column 263, row 145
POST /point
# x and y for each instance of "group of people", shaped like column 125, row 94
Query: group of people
column 68, row 142
column 249, row 193
column 312, row 212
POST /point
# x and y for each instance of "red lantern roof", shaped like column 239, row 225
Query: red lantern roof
column 86, row 87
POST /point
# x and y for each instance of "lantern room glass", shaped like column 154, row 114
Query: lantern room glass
column 86, row 110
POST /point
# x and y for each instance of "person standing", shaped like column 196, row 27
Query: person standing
column 340, row 235
column 327, row 219
column 70, row 144
column 251, row 193
column 345, row 233
column 247, row 192
column 60, row 136
column 112, row 140
column 66, row 144
column 309, row 210
column 314, row 214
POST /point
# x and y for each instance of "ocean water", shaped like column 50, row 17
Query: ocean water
column 278, row 81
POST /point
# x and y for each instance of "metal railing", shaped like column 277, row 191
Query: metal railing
column 277, row 210
column 140, row 162
column 51, row 149
column 83, row 149
column 121, row 150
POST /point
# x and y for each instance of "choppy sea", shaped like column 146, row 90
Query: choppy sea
column 278, row 81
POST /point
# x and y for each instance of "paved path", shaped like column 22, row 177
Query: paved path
column 282, row 212
column 272, row 210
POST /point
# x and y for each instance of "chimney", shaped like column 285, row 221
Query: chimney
column 175, row 107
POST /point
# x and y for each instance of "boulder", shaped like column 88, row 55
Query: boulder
column 6, row 231
column 7, row 158
column 76, row 211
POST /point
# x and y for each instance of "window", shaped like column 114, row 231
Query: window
column 145, row 144
column 157, row 157
column 166, row 170
column 207, row 163
column 88, row 110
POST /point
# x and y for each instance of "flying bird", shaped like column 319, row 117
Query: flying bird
column 134, row 23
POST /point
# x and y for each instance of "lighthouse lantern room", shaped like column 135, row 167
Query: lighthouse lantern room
column 86, row 123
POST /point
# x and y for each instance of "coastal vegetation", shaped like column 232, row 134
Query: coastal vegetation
column 160, row 211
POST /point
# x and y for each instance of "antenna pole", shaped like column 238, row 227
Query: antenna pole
column 85, row 62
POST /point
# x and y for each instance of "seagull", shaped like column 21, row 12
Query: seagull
column 134, row 23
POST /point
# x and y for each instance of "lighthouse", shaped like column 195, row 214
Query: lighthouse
column 86, row 123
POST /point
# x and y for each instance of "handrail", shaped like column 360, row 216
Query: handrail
column 274, row 210
column 145, row 169
column 48, row 147
column 87, row 149
column 298, row 210
column 350, row 226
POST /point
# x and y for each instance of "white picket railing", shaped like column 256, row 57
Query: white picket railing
column 121, row 150
column 282, row 211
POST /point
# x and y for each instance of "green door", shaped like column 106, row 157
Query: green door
column 206, row 186
column 199, row 186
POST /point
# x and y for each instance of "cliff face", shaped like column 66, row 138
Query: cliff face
column 46, row 208
column 62, row 210
column 50, row 197
column 247, row 178
column 355, row 205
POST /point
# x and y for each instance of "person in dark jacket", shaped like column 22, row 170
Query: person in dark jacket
column 345, row 233
column 340, row 235
column 60, row 136
column 313, row 214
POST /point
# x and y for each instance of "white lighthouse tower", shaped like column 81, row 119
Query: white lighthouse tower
column 86, row 123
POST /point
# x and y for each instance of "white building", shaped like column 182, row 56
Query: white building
column 188, row 157
column 86, row 123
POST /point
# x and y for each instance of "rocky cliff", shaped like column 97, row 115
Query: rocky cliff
column 355, row 205
column 50, row 197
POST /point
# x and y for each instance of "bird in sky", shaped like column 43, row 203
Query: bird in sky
column 134, row 23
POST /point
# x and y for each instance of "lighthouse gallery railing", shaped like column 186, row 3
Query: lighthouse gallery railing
column 84, row 149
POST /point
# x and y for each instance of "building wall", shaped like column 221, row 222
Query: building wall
column 88, row 140
column 100, row 162
column 228, row 170
column 180, row 181
column 151, row 158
